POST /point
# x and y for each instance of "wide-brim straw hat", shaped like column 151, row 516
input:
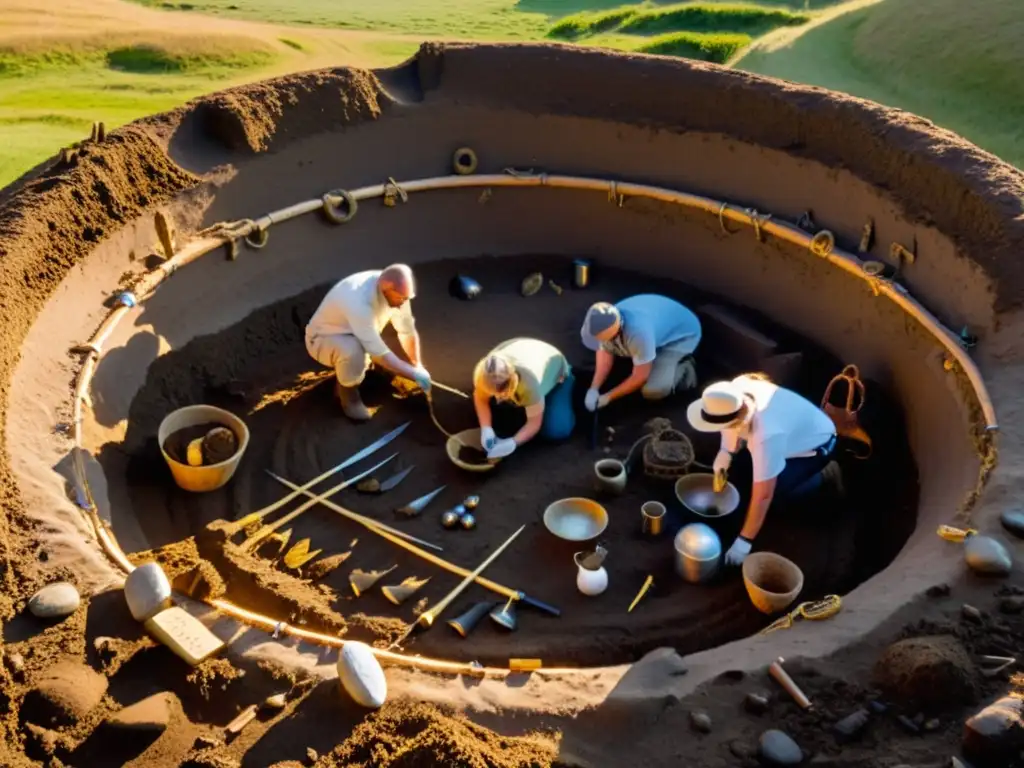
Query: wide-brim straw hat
column 721, row 405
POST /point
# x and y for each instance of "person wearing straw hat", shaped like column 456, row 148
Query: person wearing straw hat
column 530, row 374
column 790, row 439
column 345, row 332
column 657, row 333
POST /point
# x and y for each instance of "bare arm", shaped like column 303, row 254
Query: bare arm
column 396, row 365
column 532, row 425
column 636, row 380
column 761, row 495
column 482, row 405
column 411, row 346
column 602, row 367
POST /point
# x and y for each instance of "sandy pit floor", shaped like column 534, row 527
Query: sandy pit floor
column 259, row 369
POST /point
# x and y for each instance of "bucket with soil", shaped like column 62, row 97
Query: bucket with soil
column 202, row 445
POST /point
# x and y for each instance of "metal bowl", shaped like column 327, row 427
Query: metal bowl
column 696, row 493
column 576, row 519
column 698, row 550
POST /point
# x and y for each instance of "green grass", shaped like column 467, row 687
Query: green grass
column 682, row 17
column 718, row 48
column 957, row 64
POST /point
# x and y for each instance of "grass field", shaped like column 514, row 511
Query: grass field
column 68, row 64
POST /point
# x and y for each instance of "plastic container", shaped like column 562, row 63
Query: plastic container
column 772, row 581
column 212, row 476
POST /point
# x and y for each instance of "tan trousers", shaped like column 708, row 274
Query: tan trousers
column 343, row 353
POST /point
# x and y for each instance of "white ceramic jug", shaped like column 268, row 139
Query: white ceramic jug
column 590, row 582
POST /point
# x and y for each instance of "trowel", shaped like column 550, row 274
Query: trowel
column 415, row 507
column 372, row 485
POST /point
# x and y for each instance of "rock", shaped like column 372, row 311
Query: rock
column 938, row 590
column 55, row 601
column 277, row 701
column 756, row 703
column 909, row 725
column 147, row 591
column 150, row 715
column 852, row 726
column 16, row 664
column 206, row 741
column 779, row 749
column 361, row 675
column 912, row 671
column 700, row 721
column 995, row 735
column 985, row 555
column 742, row 749
column 1011, row 605
column 1013, row 521
column 64, row 693
column 878, row 707
column 311, row 755
column 971, row 613
column 931, row 725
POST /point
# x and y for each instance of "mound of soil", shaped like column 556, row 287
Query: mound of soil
column 63, row 694
column 931, row 673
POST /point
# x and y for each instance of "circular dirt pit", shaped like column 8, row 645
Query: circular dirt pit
column 705, row 209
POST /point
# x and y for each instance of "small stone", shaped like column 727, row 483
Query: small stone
column 147, row 591
column 16, row 664
column 987, row 556
column 971, row 613
column 932, row 724
column 1011, row 605
column 878, row 707
column 779, row 749
column 206, row 741
column 851, row 726
column 938, row 590
column 700, row 721
column 361, row 675
column 55, row 601
column 756, row 703
column 1013, row 521
column 607, row 449
column 150, row 715
column 311, row 755
column 277, row 701
column 742, row 749
column 995, row 735
column 908, row 724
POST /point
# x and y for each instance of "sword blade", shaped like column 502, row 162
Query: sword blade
column 371, row 448
column 394, row 480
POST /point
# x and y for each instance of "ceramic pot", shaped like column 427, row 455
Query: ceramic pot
column 610, row 476
column 590, row 582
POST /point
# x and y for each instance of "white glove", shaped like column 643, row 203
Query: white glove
column 487, row 438
column 738, row 551
column 603, row 400
column 723, row 460
column 502, row 448
column 590, row 401
column 422, row 378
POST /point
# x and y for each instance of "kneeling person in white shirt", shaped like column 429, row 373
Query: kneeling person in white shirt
column 790, row 439
column 345, row 332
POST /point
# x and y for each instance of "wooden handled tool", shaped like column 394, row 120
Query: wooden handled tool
column 381, row 531
column 428, row 617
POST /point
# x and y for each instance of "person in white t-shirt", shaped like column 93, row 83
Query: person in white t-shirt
column 657, row 333
column 345, row 332
column 790, row 439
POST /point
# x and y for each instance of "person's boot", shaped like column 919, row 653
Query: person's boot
column 352, row 403
column 686, row 375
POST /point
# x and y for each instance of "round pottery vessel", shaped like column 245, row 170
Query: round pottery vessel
column 610, row 476
column 469, row 438
column 772, row 581
column 212, row 476
column 698, row 553
column 575, row 519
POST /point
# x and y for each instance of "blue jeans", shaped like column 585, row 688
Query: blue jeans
column 803, row 475
column 559, row 417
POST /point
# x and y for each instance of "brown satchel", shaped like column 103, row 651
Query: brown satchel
column 845, row 417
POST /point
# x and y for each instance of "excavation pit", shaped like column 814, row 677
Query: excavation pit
column 656, row 195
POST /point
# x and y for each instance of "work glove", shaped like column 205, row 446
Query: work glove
column 738, row 551
column 590, row 401
column 422, row 378
column 723, row 460
column 487, row 438
column 603, row 400
column 502, row 448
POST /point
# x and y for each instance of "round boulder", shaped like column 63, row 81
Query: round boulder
column 931, row 673
column 55, row 601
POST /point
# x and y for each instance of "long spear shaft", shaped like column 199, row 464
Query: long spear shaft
column 458, row 570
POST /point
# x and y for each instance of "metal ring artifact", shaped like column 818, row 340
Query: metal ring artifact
column 823, row 243
column 344, row 210
column 257, row 238
column 464, row 161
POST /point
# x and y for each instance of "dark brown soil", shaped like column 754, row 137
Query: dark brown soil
column 472, row 455
column 219, row 443
column 300, row 435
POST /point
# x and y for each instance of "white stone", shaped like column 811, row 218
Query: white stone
column 147, row 591
column 361, row 675
column 55, row 601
